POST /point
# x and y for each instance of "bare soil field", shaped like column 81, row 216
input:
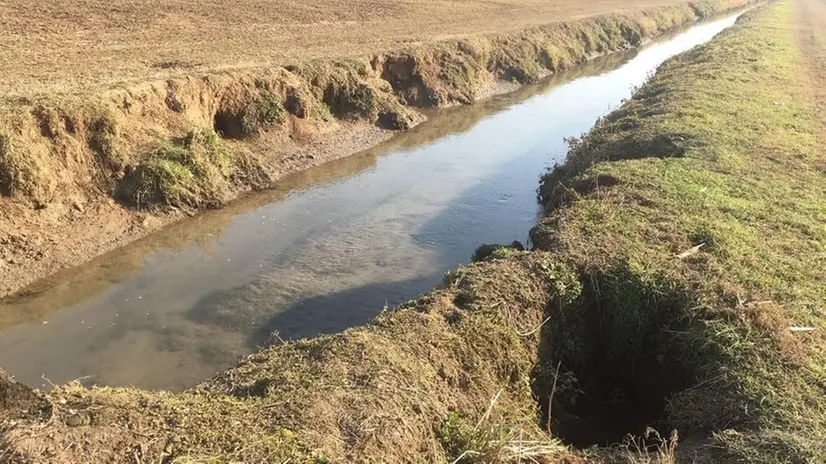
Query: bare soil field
column 68, row 47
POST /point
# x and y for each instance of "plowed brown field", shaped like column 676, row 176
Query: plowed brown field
column 66, row 47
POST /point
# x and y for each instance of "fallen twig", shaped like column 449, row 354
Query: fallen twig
column 535, row 330
column 551, row 397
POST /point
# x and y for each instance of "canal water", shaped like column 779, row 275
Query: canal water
column 325, row 250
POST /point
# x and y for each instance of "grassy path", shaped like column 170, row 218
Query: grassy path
column 811, row 35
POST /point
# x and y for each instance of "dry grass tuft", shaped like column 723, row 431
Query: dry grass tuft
column 652, row 448
column 25, row 170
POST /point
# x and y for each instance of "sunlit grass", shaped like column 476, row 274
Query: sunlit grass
column 721, row 151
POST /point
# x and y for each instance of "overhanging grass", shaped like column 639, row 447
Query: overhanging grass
column 262, row 110
column 24, row 170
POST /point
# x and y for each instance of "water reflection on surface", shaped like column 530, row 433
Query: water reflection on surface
column 325, row 250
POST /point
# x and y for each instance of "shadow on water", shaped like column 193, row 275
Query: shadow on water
column 305, row 318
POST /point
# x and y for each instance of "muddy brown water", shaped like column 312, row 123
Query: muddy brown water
column 325, row 250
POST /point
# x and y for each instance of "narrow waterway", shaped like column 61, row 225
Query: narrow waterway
column 326, row 250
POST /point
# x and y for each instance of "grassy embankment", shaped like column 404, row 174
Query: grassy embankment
column 694, row 215
column 620, row 319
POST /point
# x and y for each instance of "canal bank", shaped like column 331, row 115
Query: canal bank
column 324, row 251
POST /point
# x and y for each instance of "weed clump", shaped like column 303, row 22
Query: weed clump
column 264, row 110
column 496, row 251
column 343, row 87
column 103, row 136
column 267, row 110
column 516, row 61
column 25, row 171
column 465, row 442
column 347, row 90
column 437, row 77
column 191, row 172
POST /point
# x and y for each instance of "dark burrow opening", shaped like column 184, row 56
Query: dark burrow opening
column 229, row 125
column 610, row 360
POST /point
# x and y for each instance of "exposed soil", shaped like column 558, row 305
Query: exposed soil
column 811, row 18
